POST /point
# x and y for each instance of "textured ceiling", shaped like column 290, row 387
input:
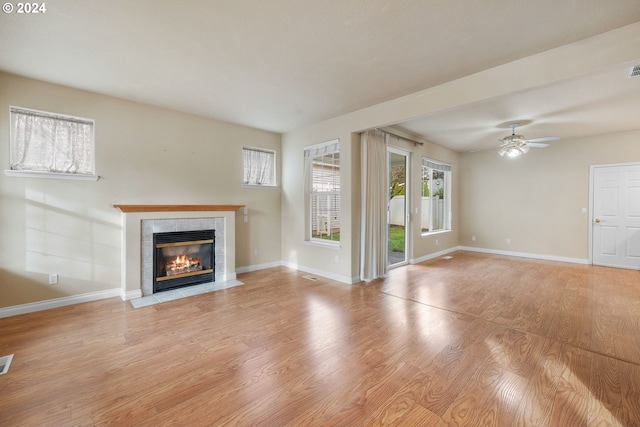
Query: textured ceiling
column 281, row 64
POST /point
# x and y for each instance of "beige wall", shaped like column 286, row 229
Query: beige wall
column 144, row 155
column 547, row 68
column 536, row 200
column 41, row 219
column 330, row 261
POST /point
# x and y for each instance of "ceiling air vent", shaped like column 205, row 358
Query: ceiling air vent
column 635, row 71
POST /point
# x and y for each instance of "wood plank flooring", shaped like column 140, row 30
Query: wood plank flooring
column 477, row 340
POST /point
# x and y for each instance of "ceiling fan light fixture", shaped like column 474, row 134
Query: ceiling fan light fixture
column 513, row 138
column 514, row 145
column 513, row 149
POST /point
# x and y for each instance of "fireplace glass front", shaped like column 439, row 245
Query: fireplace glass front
column 183, row 258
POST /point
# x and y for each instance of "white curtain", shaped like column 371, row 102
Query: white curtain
column 374, row 254
column 48, row 142
column 258, row 166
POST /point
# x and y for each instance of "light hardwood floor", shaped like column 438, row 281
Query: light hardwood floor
column 477, row 340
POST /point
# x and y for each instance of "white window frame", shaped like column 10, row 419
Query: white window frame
column 273, row 182
column 310, row 153
column 431, row 165
column 42, row 172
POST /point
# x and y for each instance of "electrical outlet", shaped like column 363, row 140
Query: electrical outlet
column 473, row 238
column 508, row 241
column 255, row 251
column 53, row 279
column 337, row 259
column 436, row 242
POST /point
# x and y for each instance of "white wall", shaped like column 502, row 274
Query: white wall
column 144, row 155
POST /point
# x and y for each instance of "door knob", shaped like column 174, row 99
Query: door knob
column 597, row 221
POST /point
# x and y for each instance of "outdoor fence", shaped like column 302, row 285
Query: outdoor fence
column 397, row 212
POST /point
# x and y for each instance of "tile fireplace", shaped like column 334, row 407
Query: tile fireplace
column 141, row 222
column 183, row 258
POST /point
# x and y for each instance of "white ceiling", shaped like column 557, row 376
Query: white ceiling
column 281, row 64
column 600, row 104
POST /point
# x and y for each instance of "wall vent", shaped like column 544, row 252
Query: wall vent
column 5, row 362
column 313, row 278
column 635, row 71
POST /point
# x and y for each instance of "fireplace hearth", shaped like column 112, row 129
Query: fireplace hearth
column 183, row 258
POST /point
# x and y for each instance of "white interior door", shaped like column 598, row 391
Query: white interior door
column 616, row 216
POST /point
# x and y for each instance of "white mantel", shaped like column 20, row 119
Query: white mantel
column 132, row 238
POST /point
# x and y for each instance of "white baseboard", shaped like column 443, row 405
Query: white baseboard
column 328, row 275
column 126, row 296
column 525, row 255
column 247, row 269
column 337, row 277
column 58, row 302
column 433, row 255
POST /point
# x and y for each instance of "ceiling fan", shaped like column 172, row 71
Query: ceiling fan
column 513, row 145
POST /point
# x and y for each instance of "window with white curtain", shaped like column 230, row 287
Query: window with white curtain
column 50, row 143
column 259, row 167
column 323, row 191
column 436, row 196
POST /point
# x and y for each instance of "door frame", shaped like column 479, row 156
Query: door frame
column 592, row 169
column 407, row 196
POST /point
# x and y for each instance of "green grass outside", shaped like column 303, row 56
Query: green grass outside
column 396, row 238
column 333, row 236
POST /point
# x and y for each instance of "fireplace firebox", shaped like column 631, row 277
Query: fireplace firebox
column 183, row 258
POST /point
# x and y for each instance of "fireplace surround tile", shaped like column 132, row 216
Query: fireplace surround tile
column 140, row 221
column 151, row 226
column 165, row 225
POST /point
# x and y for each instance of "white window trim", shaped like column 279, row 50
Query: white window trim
column 263, row 186
column 331, row 244
column 445, row 167
column 311, row 151
column 432, row 233
column 50, row 175
column 56, row 175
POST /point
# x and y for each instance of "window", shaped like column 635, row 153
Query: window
column 50, row 143
column 323, row 182
column 259, row 167
column 436, row 196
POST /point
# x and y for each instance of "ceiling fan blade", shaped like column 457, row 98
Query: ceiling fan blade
column 484, row 149
column 536, row 145
column 545, row 139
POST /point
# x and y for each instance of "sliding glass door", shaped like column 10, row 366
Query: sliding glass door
column 398, row 167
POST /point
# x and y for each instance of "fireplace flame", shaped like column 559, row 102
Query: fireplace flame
column 183, row 264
